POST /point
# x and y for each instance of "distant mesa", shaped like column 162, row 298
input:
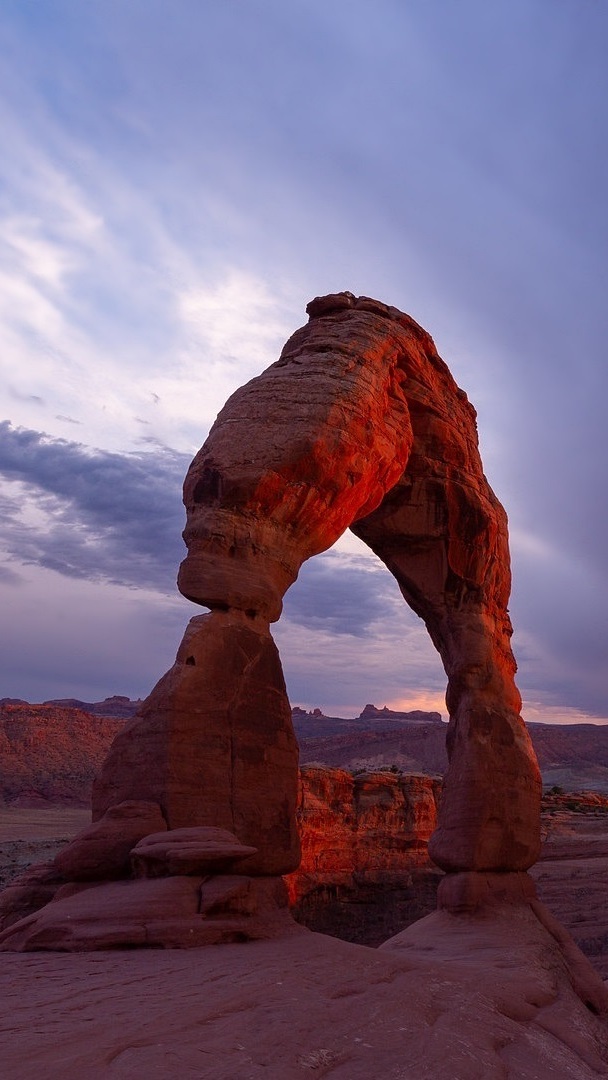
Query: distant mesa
column 49, row 754
column 371, row 712
column 416, row 716
column 117, row 706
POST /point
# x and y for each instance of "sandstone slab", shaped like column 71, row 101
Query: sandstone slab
column 101, row 851
column 163, row 913
column 188, row 851
column 480, row 999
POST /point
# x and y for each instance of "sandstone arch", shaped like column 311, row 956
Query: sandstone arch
column 360, row 424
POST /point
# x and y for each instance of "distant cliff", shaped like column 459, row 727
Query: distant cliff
column 119, row 706
column 365, row 871
column 50, row 754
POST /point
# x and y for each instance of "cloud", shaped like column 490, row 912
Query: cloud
column 343, row 594
column 9, row 576
column 67, row 637
column 91, row 513
column 166, row 212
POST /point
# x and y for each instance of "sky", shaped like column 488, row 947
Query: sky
column 178, row 179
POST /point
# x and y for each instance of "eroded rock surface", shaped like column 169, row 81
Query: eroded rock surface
column 365, row 871
column 473, row 998
column 360, row 424
column 213, row 744
column 101, row 851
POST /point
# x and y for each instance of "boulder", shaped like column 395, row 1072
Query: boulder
column 188, row 851
column 101, row 851
column 165, row 913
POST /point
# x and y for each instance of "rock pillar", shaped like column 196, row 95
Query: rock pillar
column 214, row 745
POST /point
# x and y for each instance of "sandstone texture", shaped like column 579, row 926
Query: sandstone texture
column 177, row 912
column 187, row 851
column 365, row 871
column 49, row 754
column 467, row 998
column 213, row 744
column 101, row 852
column 360, row 424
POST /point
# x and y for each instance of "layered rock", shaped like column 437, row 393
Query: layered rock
column 365, row 871
column 213, row 744
column 360, row 424
column 375, row 826
column 296, row 456
column 180, row 888
column 50, row 753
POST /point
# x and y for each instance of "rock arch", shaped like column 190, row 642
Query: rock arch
column 358, row 424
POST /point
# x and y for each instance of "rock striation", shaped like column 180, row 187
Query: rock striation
column 365, row 871
column 213, row 744
column 49, row 754
column 359, row 423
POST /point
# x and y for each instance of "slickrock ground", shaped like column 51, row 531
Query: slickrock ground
column 572, row 876
column 453, row 998
column 456, row 998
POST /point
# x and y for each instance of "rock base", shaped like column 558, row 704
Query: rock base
column 166, row 913
column 471, row 890
column 175, row 889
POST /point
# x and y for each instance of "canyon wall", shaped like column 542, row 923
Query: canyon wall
column 365, row 871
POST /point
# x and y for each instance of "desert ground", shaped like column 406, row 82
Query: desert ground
column 448, row 1002
column 450, row 998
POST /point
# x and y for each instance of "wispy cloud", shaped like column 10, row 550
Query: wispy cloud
column 90, row 513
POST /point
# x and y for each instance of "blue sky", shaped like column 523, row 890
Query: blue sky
column 178, row 180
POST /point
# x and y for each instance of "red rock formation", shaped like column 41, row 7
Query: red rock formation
column 365, row 871
column 359, row 423
column 214, row 744
column 375, row 826
column 294, row 457
column 101, row 851
column 170, row 912
column 50, row 754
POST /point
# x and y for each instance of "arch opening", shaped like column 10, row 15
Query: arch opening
column 359, row 424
